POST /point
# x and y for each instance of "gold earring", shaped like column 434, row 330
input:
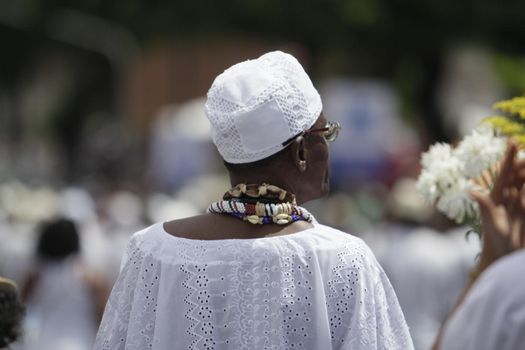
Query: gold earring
column 302, row 165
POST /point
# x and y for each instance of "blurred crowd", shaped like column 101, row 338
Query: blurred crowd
column 96, row 180
column 425, row 256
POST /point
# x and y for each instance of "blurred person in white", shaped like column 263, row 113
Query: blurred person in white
column 257, row 271
column 490, row 313
column 64, row 301
column 426, row 260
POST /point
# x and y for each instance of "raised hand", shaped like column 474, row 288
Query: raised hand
column 503, row 211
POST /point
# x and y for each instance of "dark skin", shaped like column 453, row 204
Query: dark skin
column 300, row 169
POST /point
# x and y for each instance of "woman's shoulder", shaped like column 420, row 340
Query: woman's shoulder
column 326, row 243
column 502, row 282
column 338, row 238
column 347, row 247
column 145, row 239
column 493, row 312
column 157, row 231
column 507, row 267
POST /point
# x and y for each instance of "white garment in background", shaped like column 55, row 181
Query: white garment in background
column 61, row 312
column 428, row 270
column 316, row 289
column 493, row 313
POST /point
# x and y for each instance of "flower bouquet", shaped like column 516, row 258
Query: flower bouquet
column 449, row 174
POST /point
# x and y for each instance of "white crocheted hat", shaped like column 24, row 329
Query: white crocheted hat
column 256, row 105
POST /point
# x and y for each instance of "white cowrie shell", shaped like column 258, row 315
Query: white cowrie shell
column 253, row 219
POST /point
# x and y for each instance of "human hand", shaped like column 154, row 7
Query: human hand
column 503, row 211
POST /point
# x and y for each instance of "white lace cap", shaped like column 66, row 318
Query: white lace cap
column 256, row 105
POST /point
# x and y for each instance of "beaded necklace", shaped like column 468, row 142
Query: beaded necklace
column 260, row 204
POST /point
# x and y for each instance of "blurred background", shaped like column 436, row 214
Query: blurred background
column 102, row 123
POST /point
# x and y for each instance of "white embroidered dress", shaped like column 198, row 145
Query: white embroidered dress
column 316, row 289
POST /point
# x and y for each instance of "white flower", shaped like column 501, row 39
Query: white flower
column 427, row 186
column 480, row 150
column 456, row 203
column 447, row 173
column 437, row 153
column 441, row 171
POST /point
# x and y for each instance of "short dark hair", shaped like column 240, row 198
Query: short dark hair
column 58, row 239
column 12, row 312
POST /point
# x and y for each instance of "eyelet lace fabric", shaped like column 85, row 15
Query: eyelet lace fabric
column 316, row 289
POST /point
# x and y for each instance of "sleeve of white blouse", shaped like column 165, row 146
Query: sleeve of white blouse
column 364, row 310
column 113, row 333
column 392, row 330
column 492, row 316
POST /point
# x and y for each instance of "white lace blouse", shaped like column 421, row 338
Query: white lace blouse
column 316, row 289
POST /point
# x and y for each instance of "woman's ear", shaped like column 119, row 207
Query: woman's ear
column 299, row 153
